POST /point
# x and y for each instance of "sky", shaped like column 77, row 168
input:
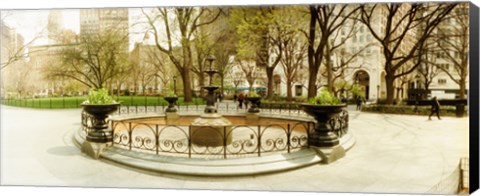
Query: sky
column 29, row 21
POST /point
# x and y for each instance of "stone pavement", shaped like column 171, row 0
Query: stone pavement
column 392, row 154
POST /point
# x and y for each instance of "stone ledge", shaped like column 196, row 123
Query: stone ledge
column 215, row 167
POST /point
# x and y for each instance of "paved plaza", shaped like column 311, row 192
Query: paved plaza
column 392, row 154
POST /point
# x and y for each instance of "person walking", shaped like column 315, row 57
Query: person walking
column 235, row 98
column 435, row 109
column 359, row 103
column 240, row 99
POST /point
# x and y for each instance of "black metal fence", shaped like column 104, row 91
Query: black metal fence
column 240, row 140
column 236, row 140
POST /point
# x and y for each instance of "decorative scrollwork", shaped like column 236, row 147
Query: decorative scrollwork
column 298, row 141
column 247, row 146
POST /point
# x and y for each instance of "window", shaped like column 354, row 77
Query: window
column 298, row 90
column 361, row 29
column 361, row 38
column 442, row 81
column 354, row 39
column 343, row 31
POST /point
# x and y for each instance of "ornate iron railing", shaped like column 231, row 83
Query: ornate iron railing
column 178, row 140
column 247, row 140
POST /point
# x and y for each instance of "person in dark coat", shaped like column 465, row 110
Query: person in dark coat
column 359, row 103
column 235, row 98
column 240, row 99
column 435, row 109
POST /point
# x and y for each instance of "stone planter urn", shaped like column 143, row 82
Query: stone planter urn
column 101, row 133
column 172, row 102
column 255, row 104
column 323, row 136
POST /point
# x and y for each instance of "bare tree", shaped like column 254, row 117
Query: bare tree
column 329, row 19
column 453, row 44
column 399, row 46
column 15, row 51
column 428, row 70
column 186, row 21
column 162, row 67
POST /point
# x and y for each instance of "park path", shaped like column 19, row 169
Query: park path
column 393, row 153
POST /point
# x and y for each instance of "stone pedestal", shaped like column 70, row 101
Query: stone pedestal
column 330, row 154
column 172, row 115
column 211, row 130
column 94, row 149
column 252, row 116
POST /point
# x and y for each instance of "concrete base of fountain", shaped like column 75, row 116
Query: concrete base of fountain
column 211, row 129
column 252, row 116
column 172, row 115
column 329, row 154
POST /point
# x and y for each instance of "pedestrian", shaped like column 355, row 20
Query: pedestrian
column 246, row 101
column 235, row 98
column 240, row 99
column 435, row 109
column 359, row 103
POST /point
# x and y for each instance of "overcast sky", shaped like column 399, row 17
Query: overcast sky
column 29, row 20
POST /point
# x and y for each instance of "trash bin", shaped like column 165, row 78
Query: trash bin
column 459, row 110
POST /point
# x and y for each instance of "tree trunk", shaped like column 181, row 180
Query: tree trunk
column 289, row 90
column 462, row 89
column 269, row 71
column 312, row 80
column 222, row 84
column 187, row 63
column 389, row 79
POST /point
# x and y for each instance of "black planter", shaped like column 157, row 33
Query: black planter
column 172, row 102
column 255, row 102
column 100, row 132
column 323, row 136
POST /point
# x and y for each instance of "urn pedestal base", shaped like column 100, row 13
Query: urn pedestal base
column 329, row 154
column 172, row 115
column 252, row 116
column 94, row 149
column 211, row 130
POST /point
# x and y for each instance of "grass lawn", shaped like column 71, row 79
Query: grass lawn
column 74, row 102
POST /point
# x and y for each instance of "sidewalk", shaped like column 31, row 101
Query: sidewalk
column 393, row 154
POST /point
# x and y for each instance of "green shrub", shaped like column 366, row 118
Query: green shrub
column 324, row 98
column 99, row 96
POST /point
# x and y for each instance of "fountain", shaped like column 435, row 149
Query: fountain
column 211, row 129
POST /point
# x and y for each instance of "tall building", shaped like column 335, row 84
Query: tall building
column 54, row 26
column 12, row 60
column 100, row 21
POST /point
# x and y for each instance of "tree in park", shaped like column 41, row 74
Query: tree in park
column 178, row 25
column 255, row 35
column 325, row 20
column 428, row 70
column 407, row 27
column 453, row 46
column 94, row 60
column 339, row 56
